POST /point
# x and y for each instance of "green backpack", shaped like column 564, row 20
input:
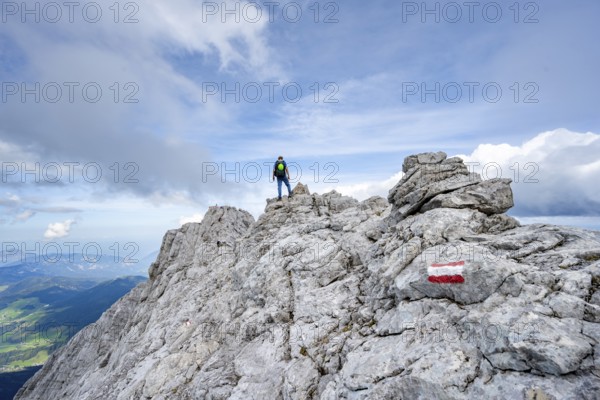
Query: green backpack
column 279, row 169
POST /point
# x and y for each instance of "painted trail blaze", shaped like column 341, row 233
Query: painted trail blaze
column 446, row 273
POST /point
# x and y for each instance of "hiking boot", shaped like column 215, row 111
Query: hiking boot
column 279, row 199
column 290, row 196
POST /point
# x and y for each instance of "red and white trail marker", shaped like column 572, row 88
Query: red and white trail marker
column 446, row 273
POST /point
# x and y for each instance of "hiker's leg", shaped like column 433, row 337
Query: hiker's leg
column 279, row 186
column 287, row 183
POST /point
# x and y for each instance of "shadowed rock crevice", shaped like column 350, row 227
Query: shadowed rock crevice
column 325, row 297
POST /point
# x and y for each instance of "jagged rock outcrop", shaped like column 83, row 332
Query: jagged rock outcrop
column 325, row 297
column 433, row 181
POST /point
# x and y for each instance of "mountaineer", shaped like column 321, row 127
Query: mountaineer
column 280, row 171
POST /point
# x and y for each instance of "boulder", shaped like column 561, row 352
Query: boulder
column 432, row 181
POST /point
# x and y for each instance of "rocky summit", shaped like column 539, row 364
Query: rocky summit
column 433, row 293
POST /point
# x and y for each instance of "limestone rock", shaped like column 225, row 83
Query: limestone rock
column 300, row 189
column 483, row 274
column 325, row 297
column 424, row 158
column 490, row 197
column 433, row 181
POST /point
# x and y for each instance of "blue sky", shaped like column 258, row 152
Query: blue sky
column 512, row 85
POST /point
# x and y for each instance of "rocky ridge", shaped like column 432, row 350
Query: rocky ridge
column 325, row 297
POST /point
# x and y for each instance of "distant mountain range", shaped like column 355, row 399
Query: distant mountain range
column 16, row 267
column 40, row 312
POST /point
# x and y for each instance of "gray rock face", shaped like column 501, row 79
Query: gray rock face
column 490, row 197
column 300, row 189
column 433, row 181
column 435, row 295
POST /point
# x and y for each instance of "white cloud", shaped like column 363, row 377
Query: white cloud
column 554, row 173
column 364, row 190
column 367, row 119
column 180, row 28
column 534, row 150
column 24, row 216
column 12, row 153
column 192, row 218
column 10, row 200
column 165, row 55
column 59, row 229
column 192, row 27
